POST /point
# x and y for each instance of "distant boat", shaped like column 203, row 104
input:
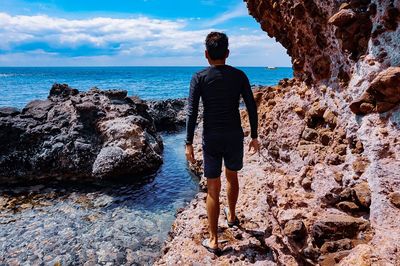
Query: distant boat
column 271, row 68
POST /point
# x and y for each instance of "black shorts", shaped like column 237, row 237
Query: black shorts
column 227, row 146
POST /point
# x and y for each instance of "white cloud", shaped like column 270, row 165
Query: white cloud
column 45, row 40
column 238, row 11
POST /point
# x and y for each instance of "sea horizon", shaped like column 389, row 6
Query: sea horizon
column 20, row 85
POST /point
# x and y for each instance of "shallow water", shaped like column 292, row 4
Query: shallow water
column 110, row 224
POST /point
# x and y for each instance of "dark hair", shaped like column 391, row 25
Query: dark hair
column 217, row 45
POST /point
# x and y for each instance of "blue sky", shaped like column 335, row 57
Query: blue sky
column 134, row 32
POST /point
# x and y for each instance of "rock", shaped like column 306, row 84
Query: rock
column 384, row 91
column 168, row 114
column 335, row 246
column 74, row 135
column 309, row 134
column 335, row 227
column 316, row 110
column 9, row 111
column 299, row 111
column 359, row 165
column 362, row 194
column 325, row 138
column 360, row 255
column 296, row 230
column 62, row 90
column 387, row 84
column 343, row 18
column 348, row 206
column 394, row 198
column 306, row 183
column 330, row 118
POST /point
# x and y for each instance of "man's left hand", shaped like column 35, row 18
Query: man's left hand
column 255, row 145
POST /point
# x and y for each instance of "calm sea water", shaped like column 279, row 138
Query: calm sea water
column 18, row 86
column 108, row 225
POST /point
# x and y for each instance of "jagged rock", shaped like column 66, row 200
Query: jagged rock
column 9, row 111
column 362, row 194
column 295, row 229
column 382, row 95
column 335, row 227
column 335, row 246
column 168, row 114
column 71, row 135
column 348, row 206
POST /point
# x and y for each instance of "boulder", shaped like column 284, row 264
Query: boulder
column 78, row 135
column 336, row 226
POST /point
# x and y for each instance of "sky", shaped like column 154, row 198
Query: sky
column 129, row 33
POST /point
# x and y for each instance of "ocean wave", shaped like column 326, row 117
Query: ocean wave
column 7, row 75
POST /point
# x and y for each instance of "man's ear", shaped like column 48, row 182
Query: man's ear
column 206, row 54
column 227, row 53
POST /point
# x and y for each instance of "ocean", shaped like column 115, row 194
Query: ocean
column 109, row 224
column 19, row 85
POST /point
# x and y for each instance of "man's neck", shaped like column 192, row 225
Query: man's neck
column 217, row 62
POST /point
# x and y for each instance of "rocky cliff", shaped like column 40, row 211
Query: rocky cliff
column 76, row 135
column 326, row 187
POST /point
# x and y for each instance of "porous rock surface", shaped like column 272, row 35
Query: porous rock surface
column 168, row 114
column 76, row 135
column 325, row 188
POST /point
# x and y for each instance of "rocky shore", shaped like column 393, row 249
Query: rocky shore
column 56, row 219
column 325, row 188
column 76, row 135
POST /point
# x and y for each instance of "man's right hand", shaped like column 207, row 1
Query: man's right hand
column 255, row 145
column 189, row 153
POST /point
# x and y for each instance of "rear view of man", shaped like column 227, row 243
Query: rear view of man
column 220, row 87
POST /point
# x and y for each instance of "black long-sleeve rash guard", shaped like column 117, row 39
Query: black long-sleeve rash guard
column 220, row 88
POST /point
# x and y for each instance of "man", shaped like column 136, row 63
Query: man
column 220, row 87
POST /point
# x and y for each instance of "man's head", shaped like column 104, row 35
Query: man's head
column 217, row 46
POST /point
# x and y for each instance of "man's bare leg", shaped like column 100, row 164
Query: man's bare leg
column 232, row 191
column 213, row 189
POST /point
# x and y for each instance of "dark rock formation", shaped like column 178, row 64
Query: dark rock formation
column 168, row 114
column 78, row 135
